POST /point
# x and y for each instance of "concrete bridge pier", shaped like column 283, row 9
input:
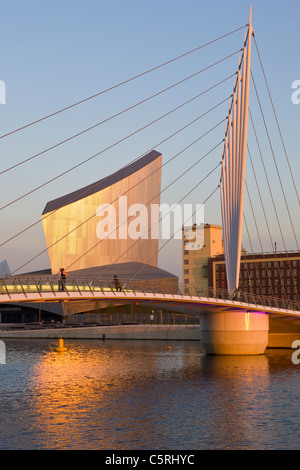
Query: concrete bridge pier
column 234, row 332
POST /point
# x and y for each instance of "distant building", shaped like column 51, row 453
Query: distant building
column 268, row 274
column 4, row 269
column 194, row 259
column 274, row 274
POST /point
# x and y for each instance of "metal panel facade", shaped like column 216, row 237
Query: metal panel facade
column 70, row 222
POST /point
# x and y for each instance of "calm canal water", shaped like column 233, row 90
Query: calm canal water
column 135, row 395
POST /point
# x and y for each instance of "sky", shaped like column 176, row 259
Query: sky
column 57, row 53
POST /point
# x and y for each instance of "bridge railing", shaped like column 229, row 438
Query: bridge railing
column 27, row 285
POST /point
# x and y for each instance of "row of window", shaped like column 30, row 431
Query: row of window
column 270, row 291
column 263, row 273
column 269, row 282
column 263, row 265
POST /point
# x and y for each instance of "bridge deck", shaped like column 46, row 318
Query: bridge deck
column 20, row 290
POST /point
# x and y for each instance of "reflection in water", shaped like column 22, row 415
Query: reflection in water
column 241, row 385
column 108, row 387
column 141, row 395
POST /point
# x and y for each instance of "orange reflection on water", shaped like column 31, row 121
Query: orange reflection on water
column 131, row 395
column 81, row 386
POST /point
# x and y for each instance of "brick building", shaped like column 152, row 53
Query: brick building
column 272, row 274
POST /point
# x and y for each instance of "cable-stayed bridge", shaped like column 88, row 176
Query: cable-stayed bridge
column 229, row 326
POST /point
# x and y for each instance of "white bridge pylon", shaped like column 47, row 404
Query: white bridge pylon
column 232, row 178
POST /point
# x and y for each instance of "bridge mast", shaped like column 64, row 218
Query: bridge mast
column 234, row 331
column 234, row 164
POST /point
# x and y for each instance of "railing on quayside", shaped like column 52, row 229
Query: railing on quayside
column 28, row 285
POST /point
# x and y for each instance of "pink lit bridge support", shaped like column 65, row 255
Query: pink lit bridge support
column 235, row 332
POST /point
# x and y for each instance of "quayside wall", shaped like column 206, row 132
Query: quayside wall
column 138, row 332
column 142, row 332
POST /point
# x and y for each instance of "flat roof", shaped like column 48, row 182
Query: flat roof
column 124, row 271
column 103, row 183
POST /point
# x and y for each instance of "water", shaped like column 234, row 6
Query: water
column 135, row 395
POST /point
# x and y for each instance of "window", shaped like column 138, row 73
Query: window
column 186, row 281
column 186, row 261
column 186, row 252
column 186, row 271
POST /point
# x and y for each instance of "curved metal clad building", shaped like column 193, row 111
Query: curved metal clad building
column 72, row 222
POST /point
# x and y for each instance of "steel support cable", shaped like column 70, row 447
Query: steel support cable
column 205, row 201
column 102, row 151
column 267, row 179
column 260, row 197
column 161, row 142
column 174, row 181
column 246, row 264
column 126, row 110
column 242, row 280
column 63, row 237
column 263, row 208
column 264, row 212
column 276, row 299
column 123, row 82
column 257, row 231
column 280, row 133
column 254, row 259
column 269, row 187
column 274, row 159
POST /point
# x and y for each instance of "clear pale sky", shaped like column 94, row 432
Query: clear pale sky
column 57, row 53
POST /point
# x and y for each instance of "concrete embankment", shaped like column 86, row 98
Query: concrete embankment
column 142, row 332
